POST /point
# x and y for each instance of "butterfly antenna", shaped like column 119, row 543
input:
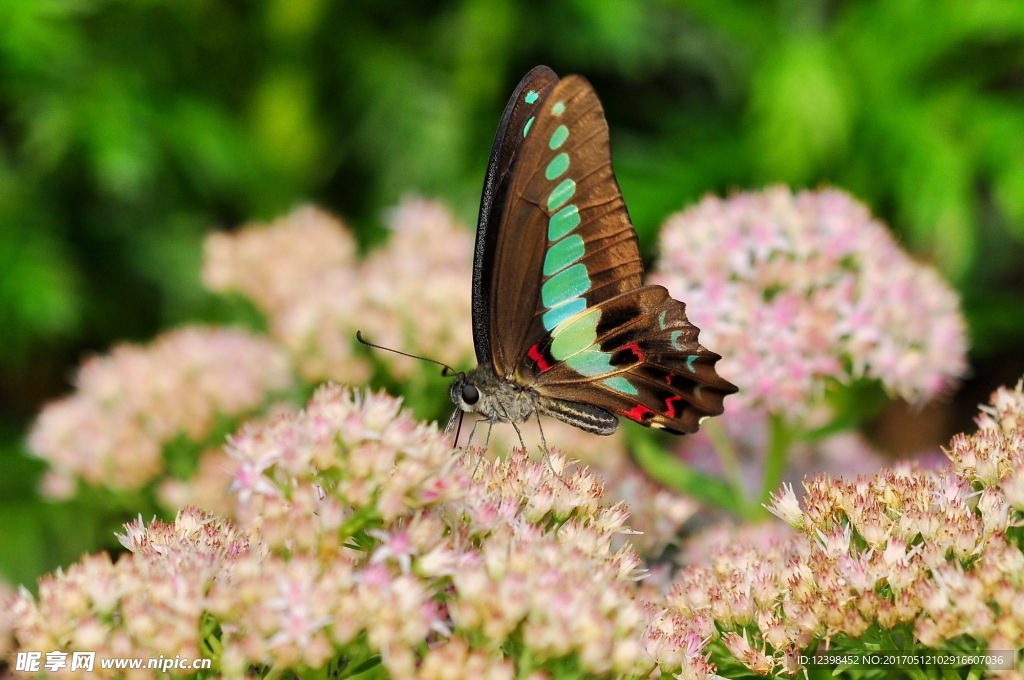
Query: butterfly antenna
column 448, row 370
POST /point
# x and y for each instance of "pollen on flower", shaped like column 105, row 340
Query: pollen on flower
column 793, row 290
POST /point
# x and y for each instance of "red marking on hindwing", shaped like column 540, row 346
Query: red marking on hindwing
column 637, row 413
column 670, row 409
column 668, row 378
column 535, row 354
column 635, row 348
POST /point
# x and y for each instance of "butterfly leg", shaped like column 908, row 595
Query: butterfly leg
column 487, row 439
column 487, row 442
column 508, row 419
column 519, row 432
column 543, row 442
column 472, row 432
column 547, row 452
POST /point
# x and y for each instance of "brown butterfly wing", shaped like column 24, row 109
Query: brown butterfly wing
column 561, row 185
column 637, row 356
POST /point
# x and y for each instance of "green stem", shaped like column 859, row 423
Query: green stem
column 360, row 519
column 779, row 441
column 730, row 461
column 676, row 475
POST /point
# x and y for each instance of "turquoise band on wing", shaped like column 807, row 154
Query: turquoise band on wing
column 591, row 361
column 620, row 384
column 561, row 194
column 562, row 222
column 556, row 315
column 572, row 325
column 557, row 167
column 565, row 285
column 558, row 137
column 576, row 336
column 563, row 253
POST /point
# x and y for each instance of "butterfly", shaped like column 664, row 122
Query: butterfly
column 562, row 323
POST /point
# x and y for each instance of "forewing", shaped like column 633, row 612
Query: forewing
column 508, row 141
column 564, row 241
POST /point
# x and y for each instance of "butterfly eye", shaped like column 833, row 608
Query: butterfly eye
column 470, row 394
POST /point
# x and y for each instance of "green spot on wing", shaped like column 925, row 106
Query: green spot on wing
column 620, row 384
column 576, row 335
column 563, row 253
column 661, row 319
column 674, row 339
column 558, row 109
column 555, row 316
column 591, row 361
column 531, row 97
column 526, row 128
column 565, row 285
column 558, row 165
column 689, row 363
column 560, row 194
column 558, row 137
column 562, row 222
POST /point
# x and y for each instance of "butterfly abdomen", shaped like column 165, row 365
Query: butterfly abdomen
column 593, row 419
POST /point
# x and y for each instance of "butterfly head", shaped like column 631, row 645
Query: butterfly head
column 464, row 394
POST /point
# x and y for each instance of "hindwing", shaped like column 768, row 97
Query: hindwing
column 635, row 355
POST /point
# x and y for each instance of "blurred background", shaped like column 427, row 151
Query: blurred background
column 130, row 129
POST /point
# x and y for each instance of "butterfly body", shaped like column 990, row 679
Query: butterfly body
column 497, row 399
column 503, row 400
column 562, row 323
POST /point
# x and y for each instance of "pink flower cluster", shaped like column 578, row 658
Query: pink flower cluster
column 994, row 455
column 362, row 534
column 793, row 290
column 936, row 551
column 416, row 289
column 655, row 513
column 301, row 271
column 128, row 404
column 143, row 606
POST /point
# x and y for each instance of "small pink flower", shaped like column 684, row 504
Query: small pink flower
column 786, row 507
column 249, row 479
column 394, row 546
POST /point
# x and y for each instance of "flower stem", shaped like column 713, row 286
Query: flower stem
column 779, row 441
column 665, row 468
column 730, row 461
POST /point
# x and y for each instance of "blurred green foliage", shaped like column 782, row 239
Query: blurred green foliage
column 128, row 128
